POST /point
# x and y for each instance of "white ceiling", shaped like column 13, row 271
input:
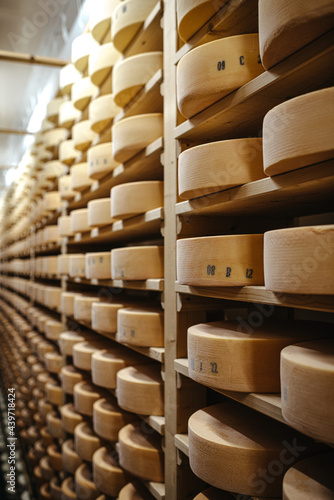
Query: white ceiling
column 36, row 27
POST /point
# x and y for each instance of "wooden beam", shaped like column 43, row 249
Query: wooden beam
column 13, row 131
column 31, row 59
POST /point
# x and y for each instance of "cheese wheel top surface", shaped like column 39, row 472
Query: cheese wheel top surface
column 67, row 76
column 101, row 62
column 193, row 14
column 134, row 491
column 82, row 46
column 133, row 436
column 102, row 111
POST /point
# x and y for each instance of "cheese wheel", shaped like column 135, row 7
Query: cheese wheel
column 99, row 212
column 50, row 235
column 311, row 478
column 52, row 297
column 83, row 135
column 50, row 264
column 55, row 488
column 82, row 307
column 42, row 379
column 300, row 260
column 193, row 14
column 68, row 114
column 101, row 62
column 132, row 73
column 38, row 475
column 54, row 393
column 100, row 160
column 70, row 376
column 212, row 167
column 67, row 303
column 127, row 19
column 54, row 457
column 137, row 263
column 288, row 144
column 39, row 449
column 100, row 19
column 104, row 316
column 84, row 486
column 133, row 134
column 108, row 418
column 107, row 474
column 244, row 355
column 64, row 225
column 68, row 339
column 225, row 439
column 82, row 46
column 98, row 265
column 54, row 137
column 141, row 454
column 70, row 418
column 105, row 364
column 79, row 220
column 307, row 374
column 70, row 458
column 68, row 489
column 231, row 260
column 77, row 266
column 53, row 362
column 84, row 395
column 134, row 491
column 46, row 470
column 285, row 27
column 141, row 326
column 67, row 76
column 53, row 329
column 67, row 152
column 64, row 183
column 83, row 91
column 85, row 441
column 79, row 177
column 83, row 352
column 209, row 72
column 134, row 198
column 44, row 491
column 63, row 267
column 54, row 428
column 140, row 389
column 44, row 408
column 53, row 169
column 102, row 111
column 53, row 108
column 51, row 201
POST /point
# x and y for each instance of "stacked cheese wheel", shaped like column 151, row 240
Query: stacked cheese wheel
column 193, row 14
column 137, row 263
column 134, row 198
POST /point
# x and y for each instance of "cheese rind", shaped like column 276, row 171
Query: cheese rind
column 134, row 198
column 108, row 419
column 66, row 192
column 71, row 459
column 77, row 266
column 70, row 376
column 107, row 474
column 64, row 226
column 67, row 152
column 100, row 160
column 107, row 362
column 141, row 326
column 98, row 265
column 83, row 352
column 102, row 111
column 83, row 135
column 104, row 316
column 84, row 395
column 79, row 220
column 99, row 212
column 137, row 263
column 67, row 76
column 85, row 441
column 101, row 62
column 193, row 14
column 82, row 46
column 79, row 177
column 214, row 494
column 70, row 418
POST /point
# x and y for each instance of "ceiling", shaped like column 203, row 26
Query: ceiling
column 35, row 27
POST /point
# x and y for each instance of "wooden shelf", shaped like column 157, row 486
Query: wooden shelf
column 259, row 295
column 155, row 285
column 157, row 489
column 303, row 191
column 48, row 248
column 241, row 113
column 49, row 219
column 157, row 423
column 136, row 228
column 146, row 165
column 149, row 36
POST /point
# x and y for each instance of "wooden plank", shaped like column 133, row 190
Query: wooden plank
column 157, row 423
column 182, row 443
column 149, row 36
column 241, row 113
column 10, row 131
column 259, row 295
column 156, row 285
column 158, row 490
column 19, row 57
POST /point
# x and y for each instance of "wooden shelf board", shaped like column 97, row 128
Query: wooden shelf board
column 149, row 36
column 49, row 219
column 299, row 191
column 259, row 295
column 156, row 285
column 146, row 165
column 181, row 443
column 157, row 489
column 135, row 228
column 241, row 113
column 157, row 423
column 269, row 404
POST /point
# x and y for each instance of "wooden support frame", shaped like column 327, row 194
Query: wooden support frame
column 19, row 57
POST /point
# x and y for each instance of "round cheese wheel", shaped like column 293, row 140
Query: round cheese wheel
column 132, row 73
column 68, row 489
column 101, row 62
column 67, row 76
column 212, row 167
column 288, row 144
column 68, row 339
column 32, row 458
column 231, row 260
column 79, row 177
column 44, row 491
column 64, row 184
column 54, row 457
column 307, row 374
column 82, row 92
column 102, row 111
column 193, row 14
column 134, row 198
column 77, row 266
column 54, row 137
column 311, row 478
column 50, row 264
column 50, row 235
column 63, row 268
column 85, row 441
column 68, row 114
column 70, row 376
column 44, row 408
column 141, row 454
column 140, row 389
column 82, row 46
column 104, row 316
column 84, row 395
column 108, row 418
column 300, row 260
column 53, row 108
column 53, row 169
column 141, row 326
column 54, row 428
column 67, row 304
column 105, row 364
column 285, row 27
column 107, row 474
column 51, row 201
column 225, row 439
column 213, row 70
column 84, row 485
column 46, row 470
column 244, row 355
column 83, row 352
column 53, row 362
column 137, row 263
column 54, row 393
column 99, row 212
column 42, row 379
column 133, row 134
column 68, row 153
column 100, row 160
column 98, row 265
column 70, row 418
column 134, row 491
column 38, row 475
column 64, row 225
column 70, row 458
column 52, row 295
column 127, row 19
column 83, row 135
column 100, row 19
column 55, row 488
column 79, row 220
column 53, row 329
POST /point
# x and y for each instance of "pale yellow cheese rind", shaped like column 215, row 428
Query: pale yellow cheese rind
column 137, row 263
column 193, row 14
column 134, row 198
